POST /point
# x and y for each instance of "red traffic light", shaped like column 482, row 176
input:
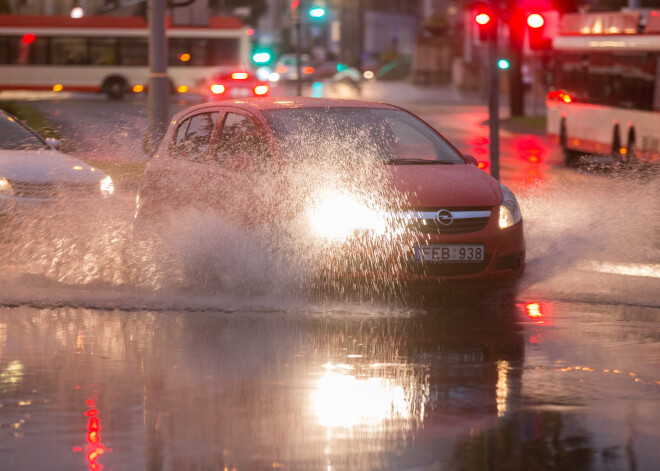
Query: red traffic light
column 482, row 18
column 485, row 24
column 538, row 36
column 535, row 20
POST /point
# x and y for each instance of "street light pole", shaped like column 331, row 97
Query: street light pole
column 159, row 83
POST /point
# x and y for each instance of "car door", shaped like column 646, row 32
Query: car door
column 244, row 168
column 182, row 179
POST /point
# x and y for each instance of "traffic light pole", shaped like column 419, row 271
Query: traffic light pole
column 494, row 103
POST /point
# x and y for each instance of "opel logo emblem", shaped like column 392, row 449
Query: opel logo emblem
column 444, row 217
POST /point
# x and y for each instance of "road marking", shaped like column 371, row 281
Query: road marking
column 647, row 270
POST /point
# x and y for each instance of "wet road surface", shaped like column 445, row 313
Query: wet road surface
column 330, row 386
column 115, row 367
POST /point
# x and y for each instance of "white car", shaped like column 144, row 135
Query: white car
column 34, row 173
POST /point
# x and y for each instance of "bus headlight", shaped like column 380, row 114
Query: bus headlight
column 338, row 216
column 509, row 210
column 107, row 187
column 5, row 187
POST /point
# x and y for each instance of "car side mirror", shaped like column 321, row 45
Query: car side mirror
column 471, row 159
column 54, row 143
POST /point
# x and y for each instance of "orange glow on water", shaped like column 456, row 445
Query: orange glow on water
column 533, row 310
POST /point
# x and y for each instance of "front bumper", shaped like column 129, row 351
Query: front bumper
column 504, row 258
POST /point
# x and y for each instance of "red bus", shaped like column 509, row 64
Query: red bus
column 109, row 54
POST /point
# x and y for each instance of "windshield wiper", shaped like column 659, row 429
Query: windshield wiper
column 416, row 162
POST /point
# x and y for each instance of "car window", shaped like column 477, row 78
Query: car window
column 194, row 136
column 386, row 134
column 14, row 135
column 240, row 139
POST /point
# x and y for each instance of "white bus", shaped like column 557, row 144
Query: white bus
column 605, row 95
column 109, row 54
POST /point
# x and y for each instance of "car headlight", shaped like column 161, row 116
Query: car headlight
column 338, row 216
column 5, row 187
column 107, row 187
column 509, row 210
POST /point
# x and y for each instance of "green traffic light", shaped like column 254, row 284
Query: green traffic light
column 503, row 64
column 317, row 12
column 261, row 57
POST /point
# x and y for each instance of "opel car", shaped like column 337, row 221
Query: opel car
column 372, row 191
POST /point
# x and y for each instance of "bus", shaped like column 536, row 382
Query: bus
column 110, row 54
column 605, row 93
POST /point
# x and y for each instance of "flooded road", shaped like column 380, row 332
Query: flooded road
column 191, row 354
column 342, row 386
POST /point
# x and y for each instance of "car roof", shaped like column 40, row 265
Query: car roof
column 284, row 103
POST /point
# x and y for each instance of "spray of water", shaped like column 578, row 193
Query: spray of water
column 580, row 223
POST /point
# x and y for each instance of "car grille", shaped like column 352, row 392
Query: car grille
column 53, row 190
column 465, row 220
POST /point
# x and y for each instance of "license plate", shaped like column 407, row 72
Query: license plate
column 240, row 92
column 449, row 253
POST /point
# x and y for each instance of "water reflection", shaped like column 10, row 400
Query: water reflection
column 348, row 387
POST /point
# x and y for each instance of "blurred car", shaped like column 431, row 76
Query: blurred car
column 286, row 68
column 381, row 193
column 33, row 172
column 240, row 84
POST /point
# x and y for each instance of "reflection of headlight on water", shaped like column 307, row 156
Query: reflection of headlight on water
column 338, row 216
column 5, row 187
column 342, row 400
column 107, row 187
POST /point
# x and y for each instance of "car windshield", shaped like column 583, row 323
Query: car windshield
column 13, row 136
column 393, row 136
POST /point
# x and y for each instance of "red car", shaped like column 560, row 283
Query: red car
column 366, row 190
column 234, row 85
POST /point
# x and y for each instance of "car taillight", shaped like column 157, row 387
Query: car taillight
column 239, row 75
column 261, row 89
column 217, row 88
column 308, row 70
column 281, row 69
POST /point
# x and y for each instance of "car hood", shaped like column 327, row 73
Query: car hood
column 432, row 186
column 46, row 166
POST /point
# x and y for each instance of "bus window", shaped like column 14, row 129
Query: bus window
column 103, row 51
column 133, row 51
column 4, row 50
column 223, row 51
column 68, row 51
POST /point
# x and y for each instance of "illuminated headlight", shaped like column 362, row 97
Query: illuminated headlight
column 339, row 216
column 5, row 187
column 107, row 187
column 509, row 210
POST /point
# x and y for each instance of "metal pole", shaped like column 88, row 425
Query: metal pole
column 298, row 67
column 494, row 104
column 159, row 82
